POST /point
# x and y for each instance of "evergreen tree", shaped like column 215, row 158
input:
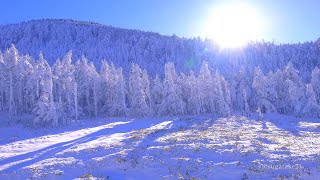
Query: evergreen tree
column 194, row 101
column 263, row 92
column 315, row 83
column 156, row 94
column 206, row 93
column 311, row 108
column 44, row 112
column 296, row 90
column 172, row 103
column 139, row 97
column 10, row 61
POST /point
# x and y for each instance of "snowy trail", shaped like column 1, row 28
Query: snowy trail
column 166, row 148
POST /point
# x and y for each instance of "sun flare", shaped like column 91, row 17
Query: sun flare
column 233, row 25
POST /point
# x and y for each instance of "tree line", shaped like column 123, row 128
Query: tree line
column 65, row 92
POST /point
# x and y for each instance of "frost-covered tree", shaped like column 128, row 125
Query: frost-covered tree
column 2, row 83
column 113, row 90
column 94, row 79
column 279, row 81
column 139, row 97
column 246, row 108
column 24, row 71
column 44, row 112
column 119, row 107
column 315, row 83
column 263, row 92
column 240, row 83
column 206, row 93
column 89, row 84
column 156, row 94
column 183, row 90
column 83, row 86
column 146, row 89
column 172, row 103
column 311, row 108
column 194, row 100
column 75, row 90
column 295, row 90
column 65, row 88
column 10, row 61
column 223, row 96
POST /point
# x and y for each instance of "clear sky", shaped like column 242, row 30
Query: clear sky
column 287, row 20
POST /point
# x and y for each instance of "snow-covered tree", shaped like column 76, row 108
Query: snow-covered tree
column 194, row 101
column 295, row 90
column 24, row 71
column 83, row 86
column 315, row 83
column 10, row 61
column 223, row 98
column 44, row 112
column 311, row 108
column 241, row 82
column 2, row 83
column 119, row 107
column 156, row 94
column 146, row 89
column 89, row 86
column 113, row 90
column 139, row 92
column 206, row 93
column 65, row 88
column 172, row 103
column 246, row 108
column 263, row 92
column 279, row 81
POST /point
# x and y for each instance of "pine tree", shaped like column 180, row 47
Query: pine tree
column 263, row 92
column 11, row 59
column 156, row 94
column 241, row 83
column 281, row 89
column 315, row 83
column 172, row 103
column 223, row 96
column 24, row 71
column 2, row 83
column 194, row 106
column 206, row 93
column 113, row 90
column 295, row 90
column 64, row 85
column 83, row 82
column 311, row 108
column 139, row 97
column 44, row 112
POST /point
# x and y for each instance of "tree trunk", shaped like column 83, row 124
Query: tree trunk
column 11, row 100
column 76, row 101
column 95, row 100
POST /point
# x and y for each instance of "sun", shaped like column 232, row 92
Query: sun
column 233, row 25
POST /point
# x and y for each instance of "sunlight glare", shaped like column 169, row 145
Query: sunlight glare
column 233, row 25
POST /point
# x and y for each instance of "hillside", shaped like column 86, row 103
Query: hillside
column 151, row 50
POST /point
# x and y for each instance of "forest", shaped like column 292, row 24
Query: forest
column 65, row 92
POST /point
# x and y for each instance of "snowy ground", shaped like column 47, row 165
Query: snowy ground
column 279, row 147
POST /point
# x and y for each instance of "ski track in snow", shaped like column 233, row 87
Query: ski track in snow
column 165, row 148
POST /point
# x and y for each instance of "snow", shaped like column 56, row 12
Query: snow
column 201, row 147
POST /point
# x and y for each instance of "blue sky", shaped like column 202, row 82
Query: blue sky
column 288, row 20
